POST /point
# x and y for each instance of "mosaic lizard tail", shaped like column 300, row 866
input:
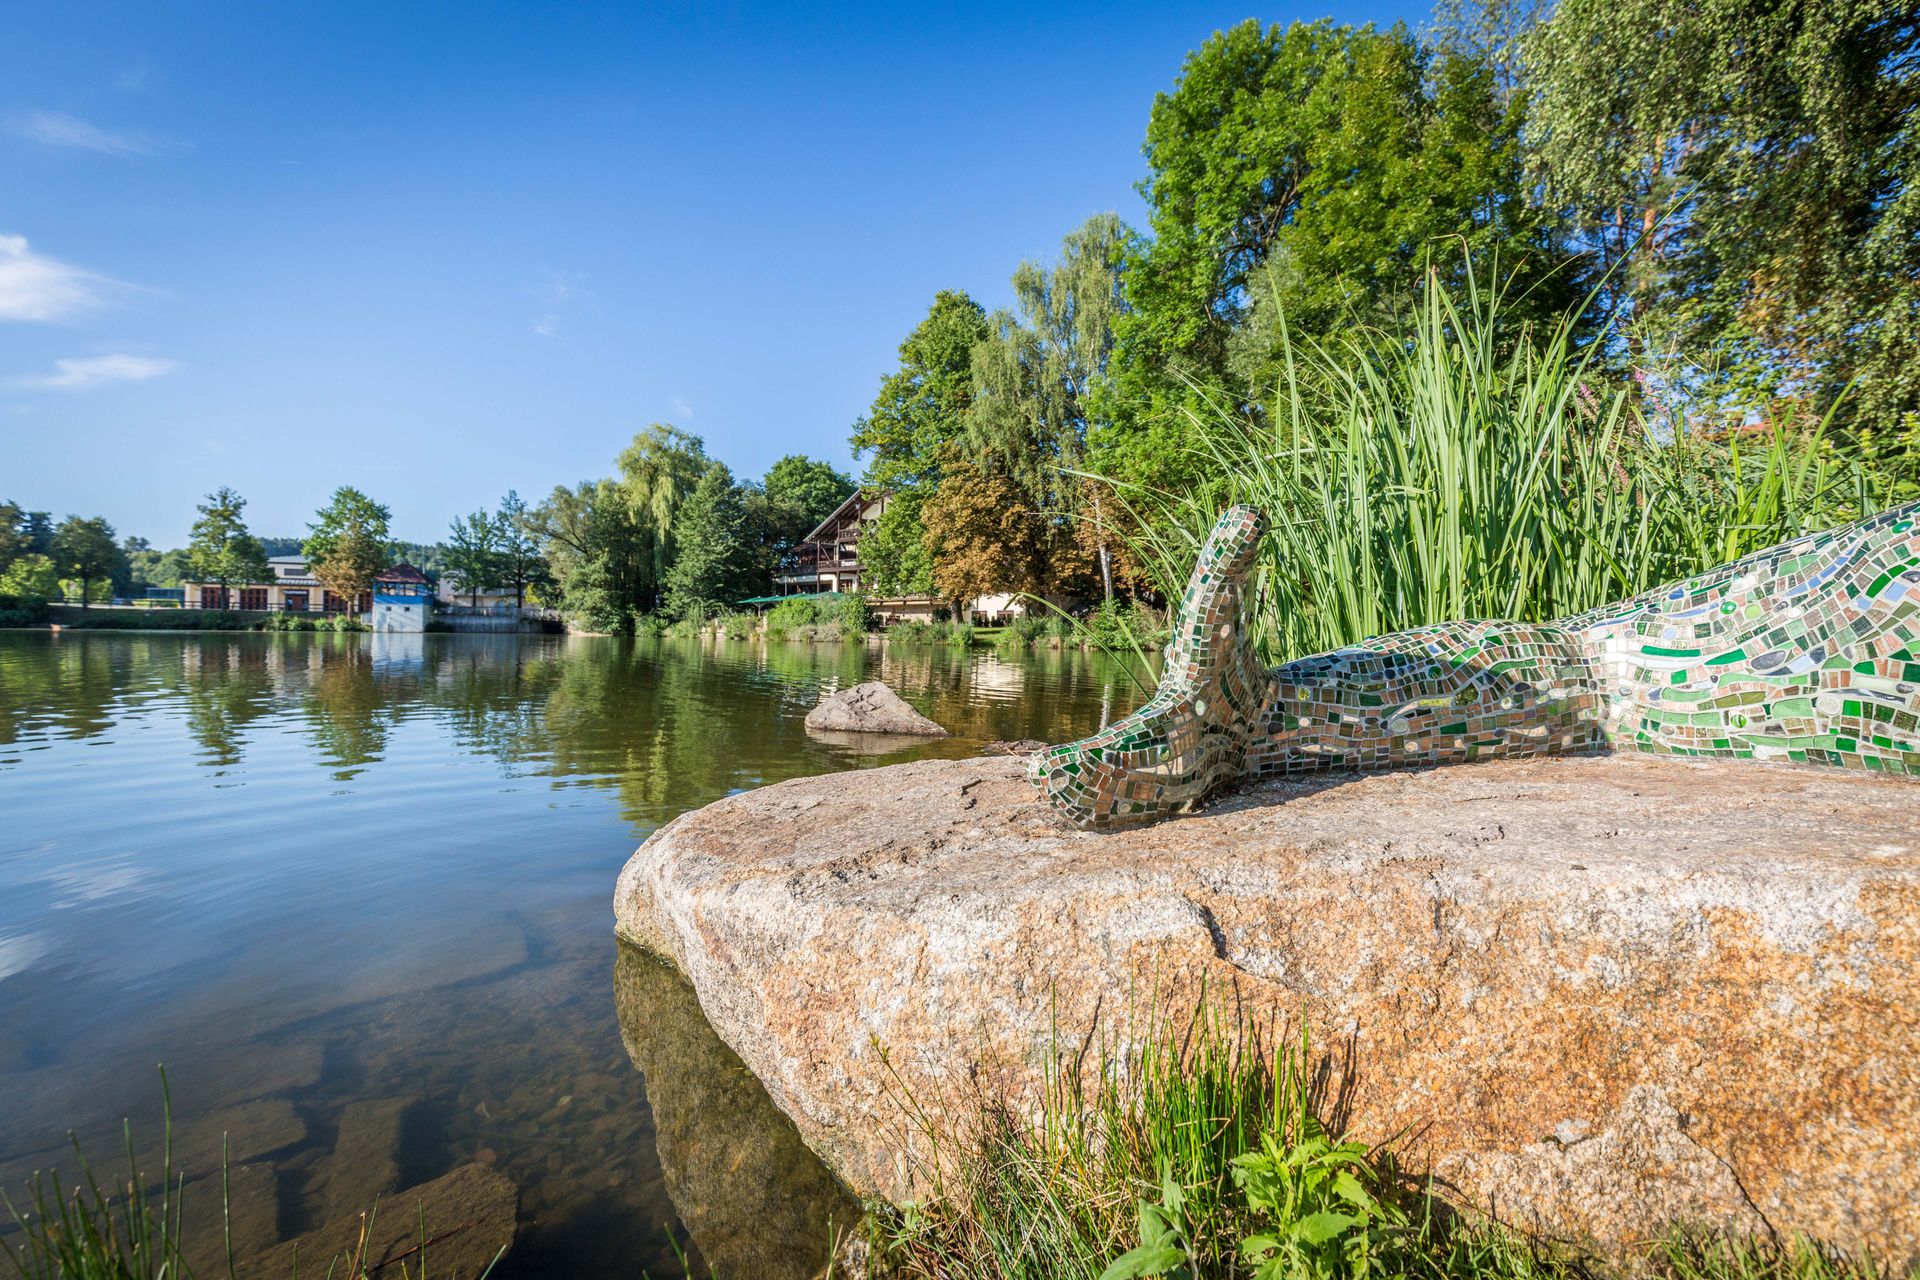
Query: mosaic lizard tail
column 1808, row 651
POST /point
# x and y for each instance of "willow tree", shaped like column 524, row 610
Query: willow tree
column 1035, row 375
column 658, row 473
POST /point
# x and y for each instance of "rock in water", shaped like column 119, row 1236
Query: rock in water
column 1596, row 996
column 871, row 708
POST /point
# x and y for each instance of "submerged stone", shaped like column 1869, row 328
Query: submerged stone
column 1595, row 996
column 465, row 1218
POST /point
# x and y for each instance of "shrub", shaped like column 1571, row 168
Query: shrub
column 960, row 635
column 910, row 631
column 22, row 611
column 739, row 626
column 854, row 616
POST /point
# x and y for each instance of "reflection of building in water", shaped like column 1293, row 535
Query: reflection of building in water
column 398, row 650
column 402, row 599
column 756, row 1201
column 993, row 676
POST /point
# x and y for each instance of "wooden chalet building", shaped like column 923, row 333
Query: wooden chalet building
column 828, row 560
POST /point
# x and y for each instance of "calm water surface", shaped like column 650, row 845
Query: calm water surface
column 333, row 876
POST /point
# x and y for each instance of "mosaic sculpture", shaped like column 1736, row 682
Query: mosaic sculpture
column 1808, row 651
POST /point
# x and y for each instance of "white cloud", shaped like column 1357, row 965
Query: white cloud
column 36, row 287
column 681, row 406
column 58, row 129
column 84, row 373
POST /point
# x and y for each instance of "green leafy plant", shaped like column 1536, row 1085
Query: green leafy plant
column 1318, row 1198
column 1163, row 1243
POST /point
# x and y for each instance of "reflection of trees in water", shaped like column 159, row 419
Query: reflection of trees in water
column 669, row 725
column 65, row 686
column 348, row 714
column 756, row 1201
column 226, row 686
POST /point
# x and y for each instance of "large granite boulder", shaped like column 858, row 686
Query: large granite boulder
column 871, row 708
column 1593, row 995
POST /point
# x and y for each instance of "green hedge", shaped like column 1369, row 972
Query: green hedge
column 22, row 611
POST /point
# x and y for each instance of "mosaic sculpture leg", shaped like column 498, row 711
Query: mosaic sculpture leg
column 1809, row 651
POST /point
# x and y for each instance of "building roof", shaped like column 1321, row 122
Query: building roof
column 286, row 559
column 400, row 573
column 858, row 498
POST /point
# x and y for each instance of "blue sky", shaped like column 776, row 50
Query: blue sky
column 440, row 252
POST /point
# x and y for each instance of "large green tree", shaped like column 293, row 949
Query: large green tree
column 1035, row 377
column 347, row 543
column 220, row 549
column 658, row 472
column 521, row 564
column 720, row 559
column 799, row 492
column 1746, row 170
column 84, row 549
column 922, row 405
column 599, row 556
column 23, row 533
column 1306, row 173
column 473, row 553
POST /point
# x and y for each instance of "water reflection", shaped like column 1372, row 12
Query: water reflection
column 754, row 1198
column 308, row 871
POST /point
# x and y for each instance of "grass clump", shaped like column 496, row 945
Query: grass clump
column 1442, row 471
column 1198, row 1157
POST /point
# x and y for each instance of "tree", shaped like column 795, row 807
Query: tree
column 474, row 553
column 347, row 544
column 219, row 548
column 720, row 561
column 1305, row 172
column 520, row 562
column 922, row 405
column 658, row 470
column 599, row 555
column 799, row 492
column 893, row 554
column 981, row 535
column 1747, row 169
column 30, row 575
column 1035, row 375
column 23, row 533
column 85, row 550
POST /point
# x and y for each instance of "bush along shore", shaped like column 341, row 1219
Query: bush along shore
column 1199, row 1156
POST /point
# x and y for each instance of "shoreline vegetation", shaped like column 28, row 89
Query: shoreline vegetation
column 1202, row 1155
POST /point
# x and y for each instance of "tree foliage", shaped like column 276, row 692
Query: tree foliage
column 220, row 549
column 347, row 543
column 720, row 560
column 658, row 472
column 1747, row 169
column 84, row 550
column 922, row 405
column 799, row 492
column 1305, row 172
column 473, row 555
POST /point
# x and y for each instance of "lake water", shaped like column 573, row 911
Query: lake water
column 327, row 878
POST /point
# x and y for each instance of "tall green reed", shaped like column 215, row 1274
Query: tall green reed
column 1449, row 471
